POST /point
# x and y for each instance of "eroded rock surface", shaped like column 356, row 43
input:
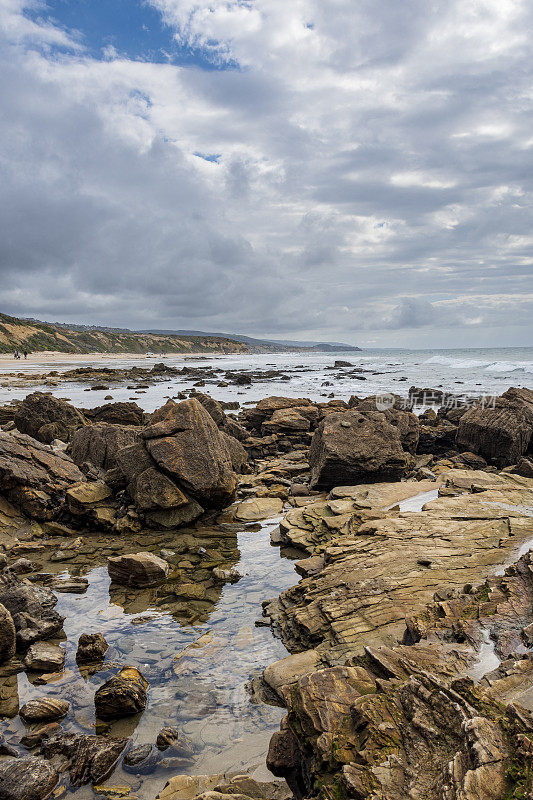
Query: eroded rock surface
column 353, row 447
column 33, row 476
column 374, row 573
column 45, row 418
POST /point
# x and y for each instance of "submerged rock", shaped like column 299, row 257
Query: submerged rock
column 27, row 779
column 142, row 759
column 137, row 569
column 122, row 695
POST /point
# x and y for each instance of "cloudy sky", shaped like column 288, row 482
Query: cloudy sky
column 355, row 170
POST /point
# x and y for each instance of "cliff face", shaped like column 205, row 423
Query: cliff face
column 28, row 335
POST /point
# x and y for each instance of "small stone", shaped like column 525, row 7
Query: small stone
column 91, row 647
column 137, row 569
column 42, row 709
column 122, row 695
column 167, row 737
column 44, row 657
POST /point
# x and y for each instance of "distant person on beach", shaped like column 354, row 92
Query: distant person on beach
column 25, row 354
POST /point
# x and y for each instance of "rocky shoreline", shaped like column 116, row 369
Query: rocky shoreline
column 399, row 525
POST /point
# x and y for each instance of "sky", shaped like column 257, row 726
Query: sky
column 348, row 170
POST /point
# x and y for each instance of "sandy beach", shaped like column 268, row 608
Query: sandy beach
column 52, row 356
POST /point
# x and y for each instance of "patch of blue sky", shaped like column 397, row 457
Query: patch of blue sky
column 125, row 28
column 214, row 157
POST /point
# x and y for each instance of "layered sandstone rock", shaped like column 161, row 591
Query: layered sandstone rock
column 501, row 434
column 352, row 447
column 33, row 476
column 45, row 418
column 372, row 574
column 186, row 444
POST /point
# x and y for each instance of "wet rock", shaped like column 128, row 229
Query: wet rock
column 27, row 779
column 122, row 695
column 7, row 635
column 45, row 418
column 44, row 709
column 44, row 657
column 167, row 737
column 141, row 760
column 116, row 414
column 258, row 508
column 98, row 444
column 226, row 575
column 351, row 447
column 33, row 476
column 31, row 608
column 36, row 736
column 137, row 569
column 87, row 758
column 92, row 648
column 185, row 442
column 501, row 434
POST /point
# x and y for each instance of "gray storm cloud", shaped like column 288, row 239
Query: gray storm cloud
column 373, row 173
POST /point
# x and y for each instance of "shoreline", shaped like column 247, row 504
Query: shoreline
column 54, row 356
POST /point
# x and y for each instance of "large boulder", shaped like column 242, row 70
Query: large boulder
column 87, row 758
column 156, row 495
column 27, row 779
column 46, row 418
column 7, row 635
column 186, row 444
column 501, row 434
column 137, row 569
column 98, row 444
column 33, row 476
column 116, row 414
column 254, row 417
column 31, row 608
column 351, row 447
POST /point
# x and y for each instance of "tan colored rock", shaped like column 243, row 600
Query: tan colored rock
column 351, row 447
column 137, row 569
column 84, row 496
column 186, row 444
column 258, row 508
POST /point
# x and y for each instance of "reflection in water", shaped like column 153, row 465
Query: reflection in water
column 197, row 671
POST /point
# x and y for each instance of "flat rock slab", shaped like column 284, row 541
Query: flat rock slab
column 258, row 508
column 44, row 657
column 379, row 571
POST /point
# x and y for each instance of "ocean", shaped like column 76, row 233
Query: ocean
column 488, row 371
